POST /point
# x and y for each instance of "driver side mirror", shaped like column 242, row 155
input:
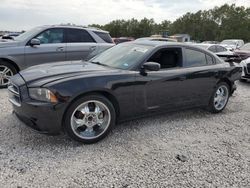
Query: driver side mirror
column 151, row 66
column 35, row 42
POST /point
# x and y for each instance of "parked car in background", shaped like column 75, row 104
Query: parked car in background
column 47, row 44
column 156, row 39
column 10, row 36
column 130, row 80
column 122, row 39
column 243, row 52
column 210, row 42
column 215, row 48
column 232, row 44
column 246, row 70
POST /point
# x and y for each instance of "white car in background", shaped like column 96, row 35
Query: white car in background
column 246, row 70
column 156, row 39
column 232, row 44
column 215, row 48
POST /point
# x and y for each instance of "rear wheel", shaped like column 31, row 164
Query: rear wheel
column 219, row 98
column 89, row 119
column 6, row 71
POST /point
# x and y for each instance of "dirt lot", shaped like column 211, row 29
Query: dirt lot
column 141, row 153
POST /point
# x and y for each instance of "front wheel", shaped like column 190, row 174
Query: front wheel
column 219, row 98
column 89, row 119
column 6, row 71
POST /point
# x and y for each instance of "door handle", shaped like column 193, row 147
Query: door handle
column 60, row 49
column 182, row 78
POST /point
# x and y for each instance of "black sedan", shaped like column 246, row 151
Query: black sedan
column 131, row 80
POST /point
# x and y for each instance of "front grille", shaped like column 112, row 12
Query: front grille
column 14, row 94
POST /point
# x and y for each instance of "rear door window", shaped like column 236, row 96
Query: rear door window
column 78, row 36
column 195, row 58
column 104, row 36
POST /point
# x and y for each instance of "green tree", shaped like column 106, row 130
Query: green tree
column 227, row 21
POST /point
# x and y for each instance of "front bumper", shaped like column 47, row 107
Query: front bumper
column 40, row 116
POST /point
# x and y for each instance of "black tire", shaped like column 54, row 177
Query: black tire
column 67, row 119
column 11, row 67
column 211, row 106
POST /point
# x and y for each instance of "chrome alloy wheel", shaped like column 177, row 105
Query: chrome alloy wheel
column 90, row 119
column 221, row 97
column 5, row 74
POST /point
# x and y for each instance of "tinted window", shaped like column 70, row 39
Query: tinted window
column 195, row 58
column 78, row 35
column 209, row 60
column 104, row 36
column 212, row 49
column 221, row 49
column 167, row 58
column 51, row 36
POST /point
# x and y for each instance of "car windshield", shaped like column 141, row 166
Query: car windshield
column 27, row 34
column 122, row 56
column 246, row 47
column 228, row 42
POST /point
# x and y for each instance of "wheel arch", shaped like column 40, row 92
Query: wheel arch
column 11, row 62
column 106, row 94
column 226, row 80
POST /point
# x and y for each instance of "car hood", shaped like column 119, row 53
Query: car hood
column 8, row 43
column 37, row 76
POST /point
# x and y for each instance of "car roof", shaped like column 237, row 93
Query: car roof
column 155, row 43
column 74, row 27
column 162, row 43
column 145, row 38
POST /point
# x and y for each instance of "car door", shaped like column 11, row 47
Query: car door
column 80, row 44
column 163, row 89
column 51, row 49
column 201, row 75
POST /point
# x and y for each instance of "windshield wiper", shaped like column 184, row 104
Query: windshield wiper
column 98, row 63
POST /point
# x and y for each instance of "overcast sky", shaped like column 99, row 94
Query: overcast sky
column 24, row 14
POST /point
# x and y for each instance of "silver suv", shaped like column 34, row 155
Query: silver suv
column 50, row 44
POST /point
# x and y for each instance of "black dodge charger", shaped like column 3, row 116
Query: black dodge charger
column 131, row 80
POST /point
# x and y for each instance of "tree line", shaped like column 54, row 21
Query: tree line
column 227, row 21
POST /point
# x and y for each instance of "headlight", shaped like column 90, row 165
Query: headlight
column 42, row 94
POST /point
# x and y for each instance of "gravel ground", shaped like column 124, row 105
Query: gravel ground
column 185, row 149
